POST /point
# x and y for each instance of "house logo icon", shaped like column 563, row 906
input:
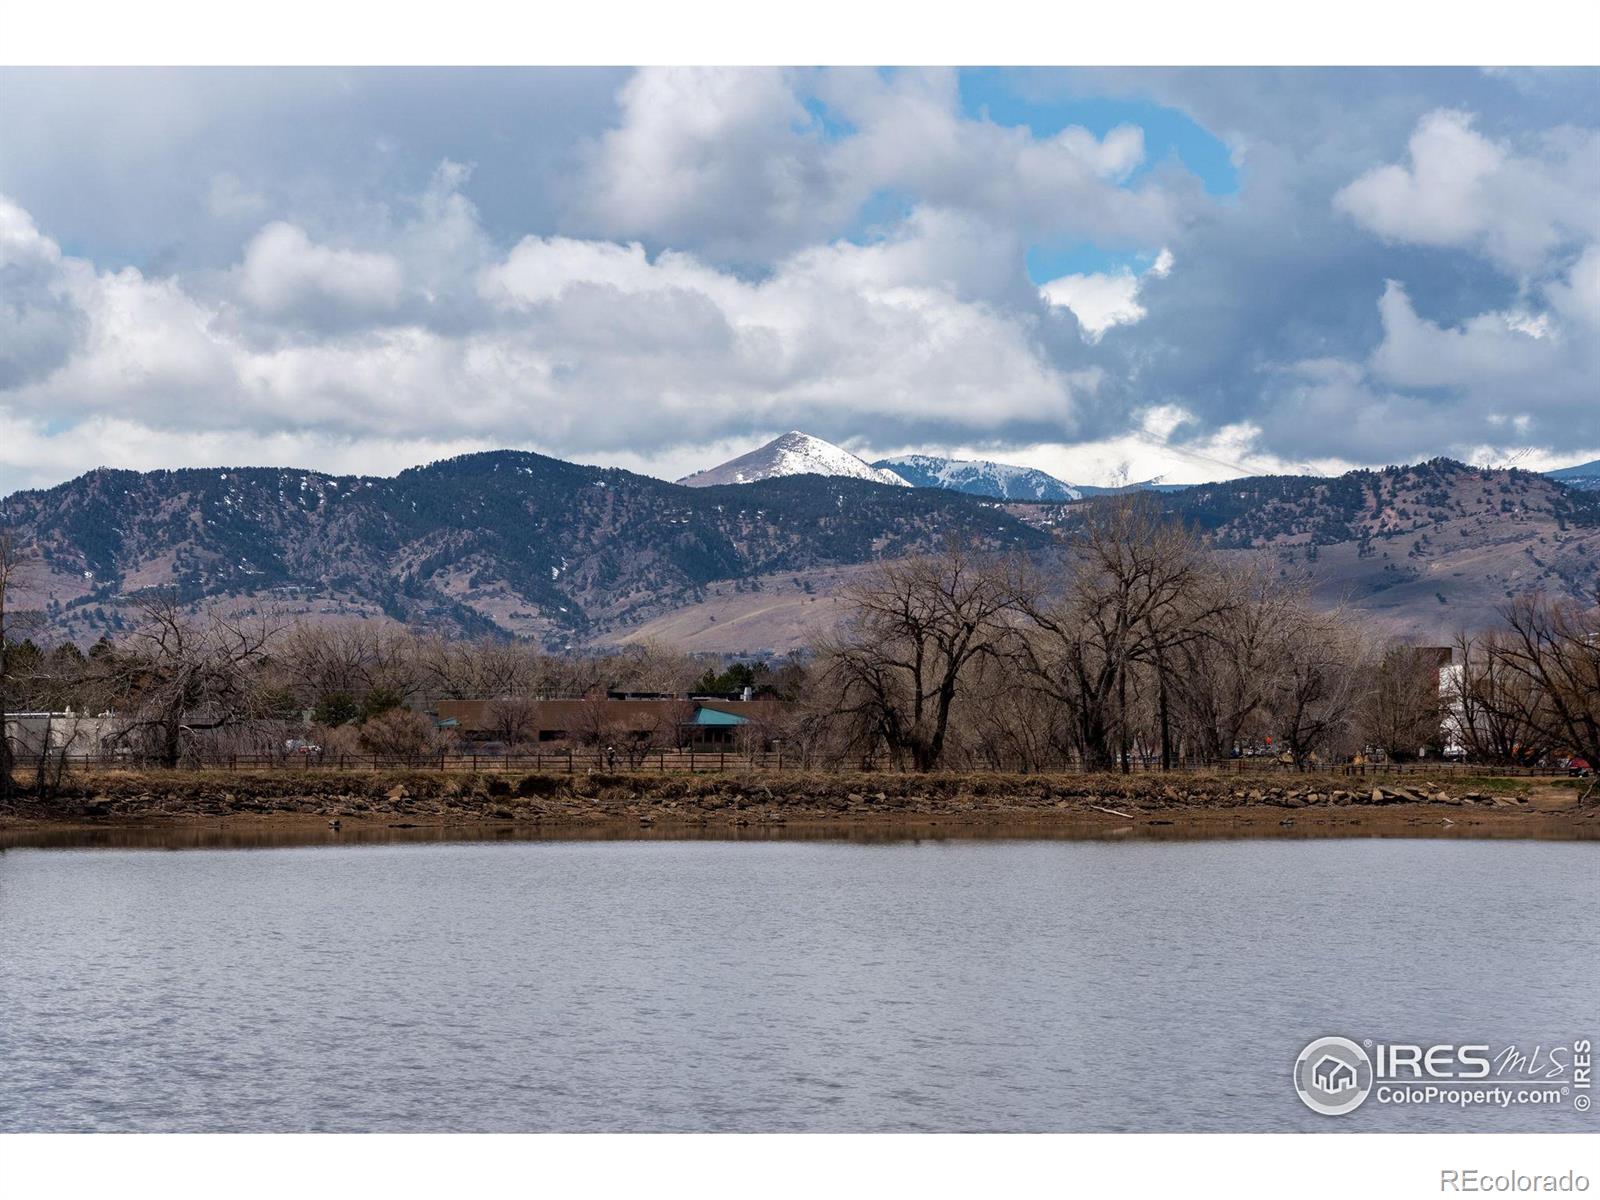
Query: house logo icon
column 1333, row 1075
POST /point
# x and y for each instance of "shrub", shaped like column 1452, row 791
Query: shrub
column 401, row 733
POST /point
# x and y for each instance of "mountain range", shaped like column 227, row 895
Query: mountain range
column 797, row 453
column 505, row 541
column 521, row 544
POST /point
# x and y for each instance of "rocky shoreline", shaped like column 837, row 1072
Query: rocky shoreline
column 1086, row 805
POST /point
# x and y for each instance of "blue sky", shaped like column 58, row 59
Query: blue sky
column 1008, row 97
column 1104, row 273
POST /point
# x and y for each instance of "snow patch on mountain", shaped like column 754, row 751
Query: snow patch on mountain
column 999, row 480
column 1585, row 477
column 794, row 453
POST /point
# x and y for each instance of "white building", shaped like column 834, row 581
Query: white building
column 78, row 734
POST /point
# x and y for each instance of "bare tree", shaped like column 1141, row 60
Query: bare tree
column 596, row 723
column 916, row 628
column 1401, row 708
column 1317, row 687
column 351, row 658
column 651, row 666
column 1554, row 647
column 1006, row 726
column 1128, row 599
column 14, row 561
column 179, row 675
column 670, row 729
column 1222, row 680
column 513, row 719
column 1492, row 710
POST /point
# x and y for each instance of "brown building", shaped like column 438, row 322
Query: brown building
column 668, row 722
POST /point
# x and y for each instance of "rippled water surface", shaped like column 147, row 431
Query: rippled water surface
column 667, row 985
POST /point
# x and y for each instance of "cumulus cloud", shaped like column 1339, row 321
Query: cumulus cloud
column 38, row 323
column 1491, row 349
column 580, row 346
column 745, row 163
column 1101, row 300
column 1428, row 388
column 285, row 271
column 848, row 334
column 1463, row 189
column 726, row 156
column 1577, row 298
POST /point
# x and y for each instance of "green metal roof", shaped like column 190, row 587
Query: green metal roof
column 712, row 716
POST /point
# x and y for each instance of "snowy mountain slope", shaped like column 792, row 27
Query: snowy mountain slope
column 794, row 453
column 1585, row 477
column 999, row 480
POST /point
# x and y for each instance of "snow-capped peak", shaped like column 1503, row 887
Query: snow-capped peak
column 1000, row 480
column 795, row 453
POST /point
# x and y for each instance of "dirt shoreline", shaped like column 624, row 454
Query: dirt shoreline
column 314, row 807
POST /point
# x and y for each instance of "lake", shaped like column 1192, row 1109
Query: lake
column 772, row 985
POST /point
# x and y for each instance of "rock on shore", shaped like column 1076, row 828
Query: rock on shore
column 763, row 797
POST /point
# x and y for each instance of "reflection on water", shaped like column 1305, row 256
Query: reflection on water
column 649, row 983
column 250, row 834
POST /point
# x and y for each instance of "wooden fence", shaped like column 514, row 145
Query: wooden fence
column 565, row 762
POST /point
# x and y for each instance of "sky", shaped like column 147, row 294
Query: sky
column 1108, row 274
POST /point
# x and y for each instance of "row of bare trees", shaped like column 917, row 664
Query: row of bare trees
column 1531, row 690
column 1144, row 644
column 186, row 683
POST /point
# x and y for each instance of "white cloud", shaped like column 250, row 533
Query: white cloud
column 1543, row 360
column 1106, row 299
column 1577, row 299
column 731, row 161
column 1462, row 189
column 588, row 349
column 1523, row 377
column 1528, row 369
column 38, row 324
column 444, row 246
column 1150, row 451
column 1495, row 346
column 285, row 271
column 21, row 243
column 718, row 153
column 838, row 330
